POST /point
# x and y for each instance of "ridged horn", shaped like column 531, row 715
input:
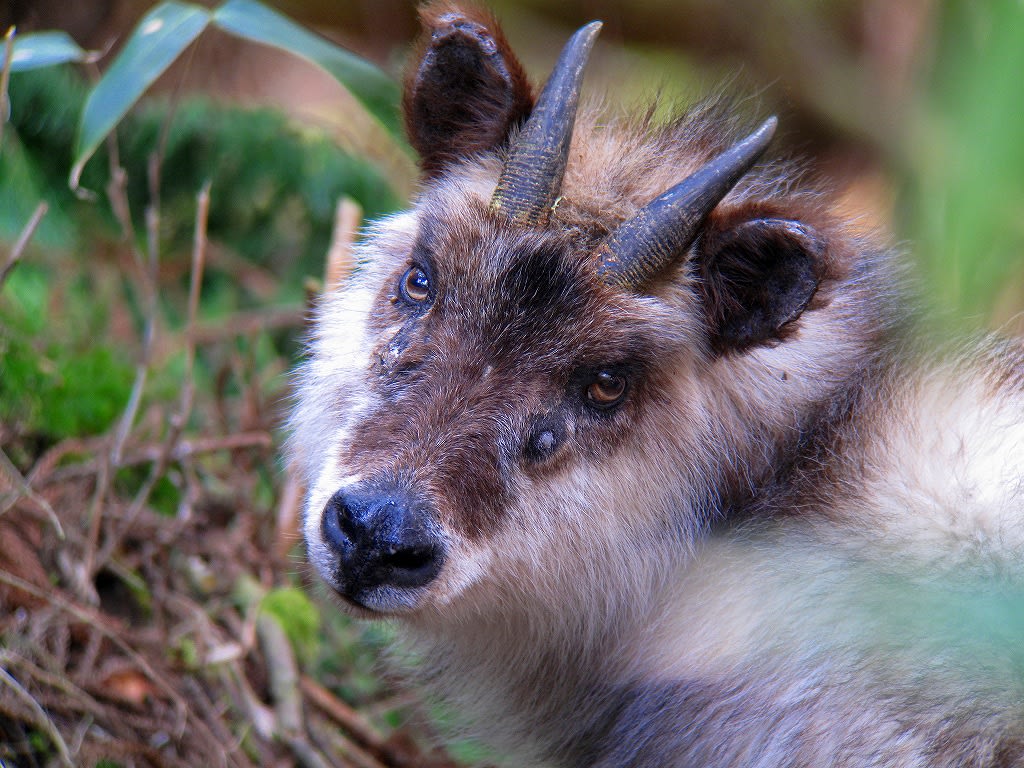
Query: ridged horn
column 532, row 177
column 661, row 231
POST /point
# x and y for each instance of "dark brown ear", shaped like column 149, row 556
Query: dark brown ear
column 757, row 277
column 464, row 88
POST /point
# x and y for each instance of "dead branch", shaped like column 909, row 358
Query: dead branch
column 288, row 534
column 177, row 421
column 279, row 659
column 5, row 74
column 99, row 621
column 22, row 489
column 23, row 238
column 50, row 460
column 306, row 753
column 248, row 323
column 355, row 724
column 188, row 448
column 185, row 449
column 209, row 712
column 117, row 194
column 340, row 262
column 353, row 755
column 288, row 723
column 40, row 719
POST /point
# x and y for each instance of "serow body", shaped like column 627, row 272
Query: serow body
column 638, row 444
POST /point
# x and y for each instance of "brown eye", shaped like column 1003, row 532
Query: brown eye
column 416, row 285
column 606, row 390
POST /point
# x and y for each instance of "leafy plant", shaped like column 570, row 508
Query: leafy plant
column 162, row 36
column 277, row 214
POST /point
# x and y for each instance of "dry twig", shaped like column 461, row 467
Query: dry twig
column 41, row 719
column 353, row 756
column 5, row 74
column 22, row 489
column 177, row 421
column 283, row 674
column 23, row 239
column 185, row 449
column 340, row 262
column 96, row 619
column 117, row 194
column 248, row 323
column 49, row 461
column 355, row 724
column 288, row 506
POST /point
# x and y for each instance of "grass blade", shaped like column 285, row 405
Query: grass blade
column 46, row 49
column 155, row 44
column 374, row 89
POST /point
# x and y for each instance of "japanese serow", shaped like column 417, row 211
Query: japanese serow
column 637, row 442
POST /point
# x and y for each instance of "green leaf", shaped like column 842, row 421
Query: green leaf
column 155, row 43
column 374, row 89
column 46, row 49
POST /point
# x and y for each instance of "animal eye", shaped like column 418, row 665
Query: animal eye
column 606, row 390
column 415, row 285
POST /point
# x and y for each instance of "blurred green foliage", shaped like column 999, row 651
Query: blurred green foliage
column 964, row 198
column 275, row 185
column 274, row 189
column 56, row 381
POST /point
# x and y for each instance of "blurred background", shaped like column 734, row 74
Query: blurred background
column 913, row 108
column 147, row 526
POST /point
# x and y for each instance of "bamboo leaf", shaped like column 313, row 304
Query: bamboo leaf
column 374, row 89
column 46, row 49
column 154, row 45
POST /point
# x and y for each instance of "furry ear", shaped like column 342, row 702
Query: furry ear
column 757, row 277
column 464, row 89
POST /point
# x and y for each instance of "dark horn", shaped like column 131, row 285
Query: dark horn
column 660, row 232
column 532, row 177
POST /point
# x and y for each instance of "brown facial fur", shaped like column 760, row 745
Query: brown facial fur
column 515, row 329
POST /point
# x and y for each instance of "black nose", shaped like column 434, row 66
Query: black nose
column 382, row 538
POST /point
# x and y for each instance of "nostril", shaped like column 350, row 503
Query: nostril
column 348, row 525
column 410, row 559
column 336, row 524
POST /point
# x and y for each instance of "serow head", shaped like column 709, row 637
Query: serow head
column 528, row 381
